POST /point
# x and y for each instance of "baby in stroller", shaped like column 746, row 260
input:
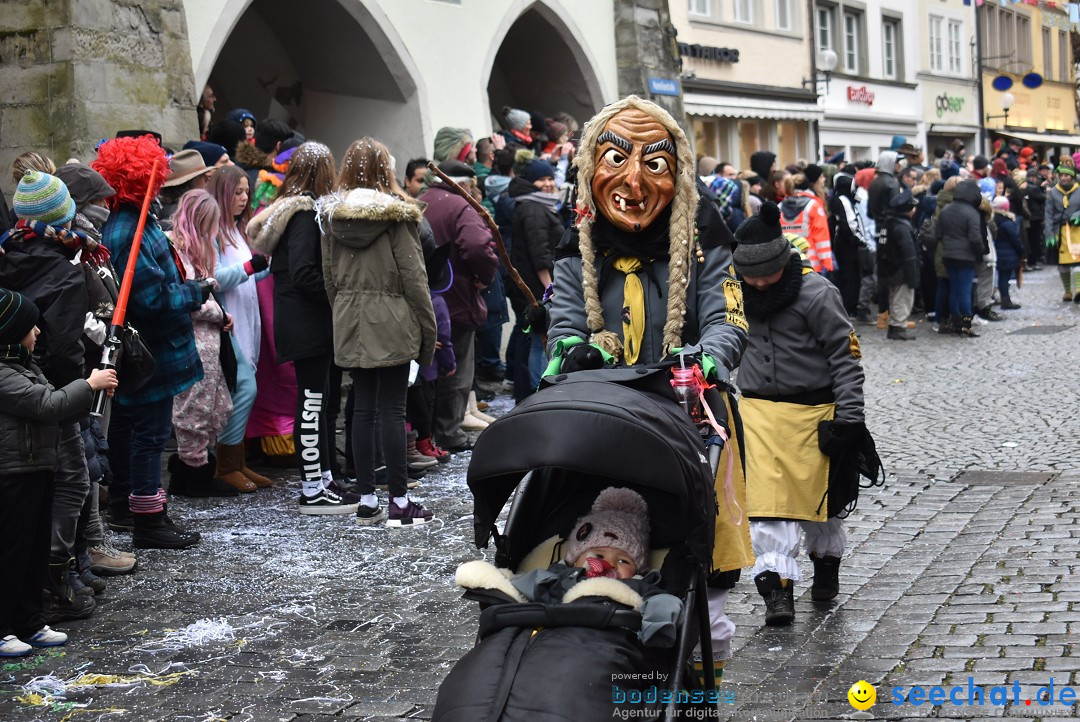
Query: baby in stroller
column 596, row 619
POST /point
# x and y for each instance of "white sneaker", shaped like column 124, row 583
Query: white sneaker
column 46, row 637
column 979, row 321
column 12, row 646
column 473, row 423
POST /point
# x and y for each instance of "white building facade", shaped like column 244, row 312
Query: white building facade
column 948, row 80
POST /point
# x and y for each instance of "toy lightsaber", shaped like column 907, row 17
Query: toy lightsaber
column 110, row 351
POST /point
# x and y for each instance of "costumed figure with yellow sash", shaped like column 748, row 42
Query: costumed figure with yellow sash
column 802, row 411
column 644, row 272
column 1061, row 226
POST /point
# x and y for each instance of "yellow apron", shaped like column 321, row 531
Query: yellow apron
column 731, row 546
column 1069, row 248
column 787, row 475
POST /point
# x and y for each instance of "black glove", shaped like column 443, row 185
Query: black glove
column 538, row 318
column 583, row 357
column 205, row 287
column 257, row 264
column 836, row 437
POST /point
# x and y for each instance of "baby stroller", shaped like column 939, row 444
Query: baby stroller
column 558, row 449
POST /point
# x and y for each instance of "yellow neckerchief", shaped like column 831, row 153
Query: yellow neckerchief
column 633, row 317
column 1065, row 205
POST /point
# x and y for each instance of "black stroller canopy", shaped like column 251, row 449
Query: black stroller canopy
column 588, row 430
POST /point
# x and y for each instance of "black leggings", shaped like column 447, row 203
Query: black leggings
column 380, row 391
column 420, row 407
column 311, row 429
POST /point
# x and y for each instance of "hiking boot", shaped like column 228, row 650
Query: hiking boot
column 12, row 646
column 1009, row 306
column 989, row 314
column 121, row 518
column 86, row 574
column 77, row 585
column 368, row 515
column 412, row 514
column 965, row 328
column 826, row 578
column 157, row 531
column 325, row 503
column 899, row 333
column 779, row 599
column 864, row 318
column 61, row 604
column 427, row 447
column 197, row 481
column 46, row 637
column 416, row 459
column 106, row 560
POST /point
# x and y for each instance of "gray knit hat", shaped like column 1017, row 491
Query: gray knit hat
column 619, row 519
column 763, row 250
column 517, row 118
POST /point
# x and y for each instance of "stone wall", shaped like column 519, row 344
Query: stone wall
column 75, row 71
column 645, row 48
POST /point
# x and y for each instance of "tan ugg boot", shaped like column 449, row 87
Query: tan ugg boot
column 257, row 479
column 230, row 459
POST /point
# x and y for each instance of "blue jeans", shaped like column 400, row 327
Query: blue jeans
column 1005, row 272
column 941, row 305
column 489, row 335
column 243, row 400
column 137, row 438
column 961, row 279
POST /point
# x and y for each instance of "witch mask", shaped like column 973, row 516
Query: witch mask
column 634, row 180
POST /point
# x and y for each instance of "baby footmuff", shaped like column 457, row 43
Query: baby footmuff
column 573, row 650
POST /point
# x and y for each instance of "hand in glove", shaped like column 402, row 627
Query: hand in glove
column 583, row 357
column 836, row 437
column 538, row 318
column 257, row 264
column 204, row 286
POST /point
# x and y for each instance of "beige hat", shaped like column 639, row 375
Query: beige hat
column 184, row 166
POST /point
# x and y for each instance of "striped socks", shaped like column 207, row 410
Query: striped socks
column 152, row 504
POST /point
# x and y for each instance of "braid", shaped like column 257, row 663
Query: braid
column 594, row 310
column 681, row 236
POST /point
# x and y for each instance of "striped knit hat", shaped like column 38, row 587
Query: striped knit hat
column 18, row 315
column 43, row 197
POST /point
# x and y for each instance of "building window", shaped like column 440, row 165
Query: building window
column 1007, row 40
column 890, row 42
column 1023, row 39
column 1048, row 54
column 989, row 31
column 956, row 50
column 783, row 14
column 1064, row 57
column 936, row 45
column 826, row 27
column 851, row 42
column 744, row 11
column 700, row 7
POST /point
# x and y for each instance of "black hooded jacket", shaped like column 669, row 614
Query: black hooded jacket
column 959, row 227
column 536, row 233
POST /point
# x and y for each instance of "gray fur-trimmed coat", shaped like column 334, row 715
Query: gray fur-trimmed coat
column 373, row 268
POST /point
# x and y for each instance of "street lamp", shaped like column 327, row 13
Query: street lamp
column 1006, row 101
column 826, row 64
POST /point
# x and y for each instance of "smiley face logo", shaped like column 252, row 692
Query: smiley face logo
column 862, row 695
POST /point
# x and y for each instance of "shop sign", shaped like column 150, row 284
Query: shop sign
column 949, row 104
column 708, row 52
column 860, row 95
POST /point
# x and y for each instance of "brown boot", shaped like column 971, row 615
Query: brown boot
column 230, row 460
column 257, row 479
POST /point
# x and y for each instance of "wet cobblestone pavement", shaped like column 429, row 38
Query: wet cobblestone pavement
column 948, row 576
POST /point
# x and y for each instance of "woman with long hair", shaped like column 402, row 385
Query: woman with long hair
column 199, row 414
column 235, row 266
column 303, row 327
column 383, row 319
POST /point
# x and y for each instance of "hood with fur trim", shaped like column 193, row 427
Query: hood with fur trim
column 362, row 215
column 680, row 228
column 265, row 230
column 248, row 156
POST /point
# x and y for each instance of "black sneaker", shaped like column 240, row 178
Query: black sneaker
column 347, row 492
column 368, row 515
column 324, row 503
column 989, row 314
column 779, row 599
column 412, row 514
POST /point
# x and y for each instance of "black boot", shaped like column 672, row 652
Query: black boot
column 779, row 599
column 196, row 481
column 61, row 604
column 965, row 328
column 156, row 531
column 826, row 578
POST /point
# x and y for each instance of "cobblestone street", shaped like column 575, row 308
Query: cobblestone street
column 951, row 573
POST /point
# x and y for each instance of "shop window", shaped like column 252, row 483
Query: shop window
column 852, row 41
column 826, row 24
column 701, row 7
column 937, row 43
column 860, row 152
column 1023, row 39
column 705, row 134
column 750, row 140
column 956, row 49
column 787, row 139
column 1048, row 54
column 783, row 15
column 744, row 11
column 1064, row 57
column 891, row 50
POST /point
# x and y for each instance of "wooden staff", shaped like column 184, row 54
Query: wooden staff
column 499, row 244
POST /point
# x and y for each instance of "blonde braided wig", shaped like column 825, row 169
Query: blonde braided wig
column 680, row 229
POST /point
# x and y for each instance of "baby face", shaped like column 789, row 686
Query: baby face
column 618, row 559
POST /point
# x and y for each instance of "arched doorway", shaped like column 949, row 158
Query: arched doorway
column 328, row 70
column 541, row 66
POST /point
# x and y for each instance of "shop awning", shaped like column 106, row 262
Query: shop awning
column 734, row 106
column 1041, row 138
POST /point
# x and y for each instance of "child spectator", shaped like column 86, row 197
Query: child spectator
column 29, row 453
column 1009, row 249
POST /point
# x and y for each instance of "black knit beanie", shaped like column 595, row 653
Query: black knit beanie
column 18, row 315
column 762, row 250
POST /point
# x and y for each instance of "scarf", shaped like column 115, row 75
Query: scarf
column 547, row 200
column 73, row 240
column 14, row 353
column 766, row 304
column 648, row 245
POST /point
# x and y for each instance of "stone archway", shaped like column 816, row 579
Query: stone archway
column 332, row 70
column 539, row 64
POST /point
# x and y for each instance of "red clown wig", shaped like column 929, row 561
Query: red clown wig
column 126, row 164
